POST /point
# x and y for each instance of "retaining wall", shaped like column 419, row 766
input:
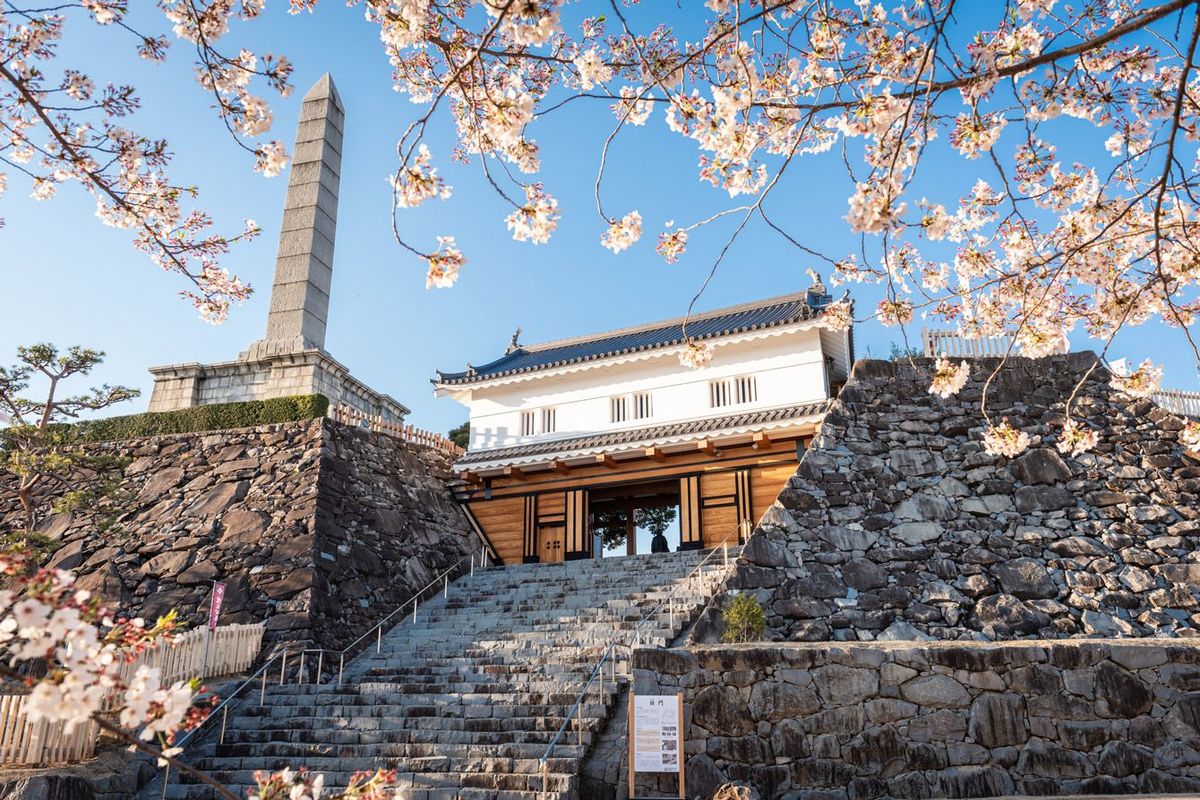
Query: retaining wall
column 945, row 719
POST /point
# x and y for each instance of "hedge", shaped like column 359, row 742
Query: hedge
column 216, row 417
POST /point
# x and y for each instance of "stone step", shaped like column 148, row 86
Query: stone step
column 464, row 700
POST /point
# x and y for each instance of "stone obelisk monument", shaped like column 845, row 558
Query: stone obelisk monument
column 304, row 263
column 291, row 358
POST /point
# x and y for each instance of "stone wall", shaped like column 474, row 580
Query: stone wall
column 897, row 524
column 317, row 528
column 946, row 719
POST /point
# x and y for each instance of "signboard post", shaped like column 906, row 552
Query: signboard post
column 656, row 737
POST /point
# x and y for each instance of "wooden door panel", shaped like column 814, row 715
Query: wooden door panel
column 552, row 541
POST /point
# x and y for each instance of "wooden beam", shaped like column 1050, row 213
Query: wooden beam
column 604, row 459
column 560, row 467
column 707, row 447
column 656, row 453
column 468, row 476
column 761, row 441
column 516, row 473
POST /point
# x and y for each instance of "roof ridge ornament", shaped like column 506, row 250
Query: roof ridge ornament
column 816, row 296
column 514, row 343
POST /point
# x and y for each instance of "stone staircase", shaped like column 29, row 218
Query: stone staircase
column 463, row 702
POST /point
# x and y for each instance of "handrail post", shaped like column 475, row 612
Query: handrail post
column 320, row 665
column 262, row 695
column 300, row 672
column 545, row 779
column 472, row 565
column 379, row 638
column 282, row 665
column 446, row 587
column 341, row 667
column 224, row 720
column 414, row 602
column 580, row 717
column 166, row 780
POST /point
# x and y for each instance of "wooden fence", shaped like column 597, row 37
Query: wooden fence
column 1177, row 401
column 953, row 344
column 407, row 433
column 24, row 743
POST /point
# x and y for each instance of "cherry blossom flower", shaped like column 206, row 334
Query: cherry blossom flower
column 1142, row 382
column 948, row 379
column 1190, row 436
column 672, row 244
column 418, row 182
column 536, row 220
column 1005, row 440
column 624, row 233
column 630, row 109
column 592, row 69
column 873, row 208
column 696, row 355
column 444, row 264
column 839, row 315
column 1077, row 438
column 895, row 312
column 271, row 158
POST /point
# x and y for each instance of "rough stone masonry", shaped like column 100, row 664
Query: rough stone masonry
column 318, row 528
column 898, row 525
column 859, row 721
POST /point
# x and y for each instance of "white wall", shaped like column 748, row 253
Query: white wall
column 789, row 369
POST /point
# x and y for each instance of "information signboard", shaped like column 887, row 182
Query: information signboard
column 656, row 736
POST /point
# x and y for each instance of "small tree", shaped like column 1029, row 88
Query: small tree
column 744, row 620
column 37, row 447
column 461, row 435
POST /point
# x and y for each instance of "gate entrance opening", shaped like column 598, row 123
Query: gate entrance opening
column 635, row 519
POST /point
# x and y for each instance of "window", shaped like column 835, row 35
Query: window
column 548, row 420
column 618, row 408
column 527, row 423
column 643, row 407
column 745, row 389
column 732, row 391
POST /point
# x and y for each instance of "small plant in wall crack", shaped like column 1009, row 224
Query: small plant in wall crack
column 745, row 620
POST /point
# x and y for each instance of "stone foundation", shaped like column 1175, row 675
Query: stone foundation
column 898, row 525
column 916, row 720
column 264, row 372
column 316, row 527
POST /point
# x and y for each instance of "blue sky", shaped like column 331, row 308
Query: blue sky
column 69, row 280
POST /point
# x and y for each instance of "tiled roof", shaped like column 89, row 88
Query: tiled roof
column 654, row 433
column 770, row 313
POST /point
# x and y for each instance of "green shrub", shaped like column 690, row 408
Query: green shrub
column 217, row 417
column 744, row 620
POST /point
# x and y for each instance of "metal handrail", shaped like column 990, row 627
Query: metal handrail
column 377, row 629
column 543, row 762
column 283, row 656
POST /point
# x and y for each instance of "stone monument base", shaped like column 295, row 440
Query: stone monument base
column 261, row 374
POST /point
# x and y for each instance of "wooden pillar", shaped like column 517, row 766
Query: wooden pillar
column 630, row 529
column 579, row 534
column 529, row 529
column 744, row 500
column 690, row 534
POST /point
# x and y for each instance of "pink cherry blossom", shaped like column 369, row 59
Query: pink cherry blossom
column 1005, row 440
column 948, row 379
